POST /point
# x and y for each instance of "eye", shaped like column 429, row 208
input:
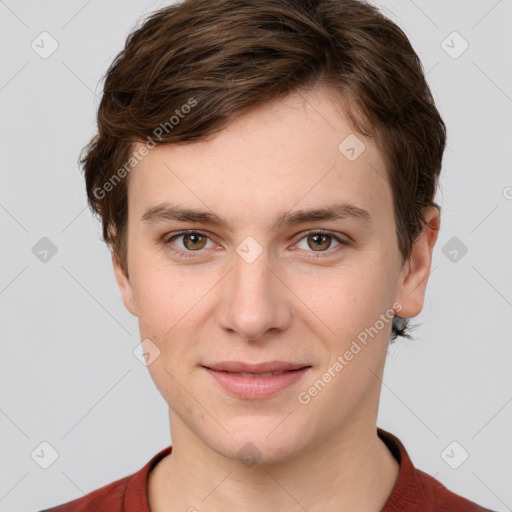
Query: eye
column 193, row 241
column 320, row 242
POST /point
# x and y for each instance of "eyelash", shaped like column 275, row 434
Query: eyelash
column 190, row 254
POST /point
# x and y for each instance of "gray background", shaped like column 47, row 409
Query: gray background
column 68, row 375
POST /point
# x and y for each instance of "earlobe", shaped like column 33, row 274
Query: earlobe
column 416, row 271
column 124, row 284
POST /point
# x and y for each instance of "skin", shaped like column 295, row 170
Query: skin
column 324, row 455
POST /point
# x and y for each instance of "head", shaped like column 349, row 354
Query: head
column 251, row 112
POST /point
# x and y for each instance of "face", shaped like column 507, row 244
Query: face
column 269, row 283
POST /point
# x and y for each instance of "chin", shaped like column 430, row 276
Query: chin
column 261, row 441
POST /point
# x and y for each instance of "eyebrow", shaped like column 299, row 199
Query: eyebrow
column 337, row 211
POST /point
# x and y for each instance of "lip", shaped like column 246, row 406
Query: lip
column 228, row 375
column 269, row 366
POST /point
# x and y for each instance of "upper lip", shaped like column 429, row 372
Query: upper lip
column 269, row 366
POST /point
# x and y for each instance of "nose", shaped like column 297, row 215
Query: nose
column 255, row 300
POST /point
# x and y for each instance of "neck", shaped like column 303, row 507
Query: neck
column 351, row 470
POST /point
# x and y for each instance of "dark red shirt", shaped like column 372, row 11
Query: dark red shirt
column 414, row 490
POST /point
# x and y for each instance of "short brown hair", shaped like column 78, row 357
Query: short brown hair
column 193, row 66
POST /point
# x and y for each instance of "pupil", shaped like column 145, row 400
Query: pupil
column 319, row 239
column 194, row 238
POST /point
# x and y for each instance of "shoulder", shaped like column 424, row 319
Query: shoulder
column 417, row 491
column 109, row 498
column 126, row 494
column 441, row 499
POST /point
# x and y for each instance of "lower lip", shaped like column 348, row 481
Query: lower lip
column 256, row 387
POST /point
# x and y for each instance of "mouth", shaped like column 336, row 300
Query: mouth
column 255, row 381
column 256, row 368
column 266, row 374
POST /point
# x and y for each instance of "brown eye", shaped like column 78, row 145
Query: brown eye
column 319, row 241
column 187, row 243
column 194, row 241
column 318, row 244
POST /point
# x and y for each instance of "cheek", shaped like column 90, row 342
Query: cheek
column 345, row 300
column 163, row 295
column 351, row 306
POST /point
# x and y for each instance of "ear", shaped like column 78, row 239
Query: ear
column 125, row 287
column 415, row 272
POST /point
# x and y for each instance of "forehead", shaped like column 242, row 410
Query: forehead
column 300, row 150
